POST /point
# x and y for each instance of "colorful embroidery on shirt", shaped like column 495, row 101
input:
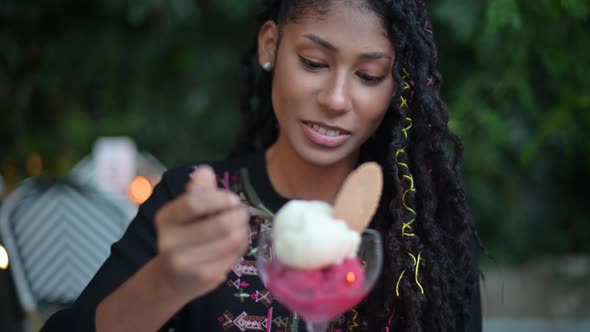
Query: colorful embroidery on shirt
column 281, row 322
column 244, row 285
column 238, row 283
column 245, row 267
column 262, row 296
column 243, row 322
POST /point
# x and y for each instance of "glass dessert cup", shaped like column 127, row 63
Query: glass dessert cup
column 321, row 295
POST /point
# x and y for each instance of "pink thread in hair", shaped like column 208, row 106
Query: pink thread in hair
column 429, row 81
column 389, row 321
column 426, row 28
column 226, row 180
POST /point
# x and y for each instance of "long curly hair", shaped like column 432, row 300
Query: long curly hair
column 428, row 277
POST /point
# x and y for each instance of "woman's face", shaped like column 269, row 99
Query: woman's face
column 332, row 82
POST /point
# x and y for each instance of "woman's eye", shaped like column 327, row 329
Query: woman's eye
column 371, row 80
column 312, row 64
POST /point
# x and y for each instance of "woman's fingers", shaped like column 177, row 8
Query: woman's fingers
column 210, row 229
column 200, row 268
column 202, row 178
column 195, row 205
column 201, row 234
column 225, row 250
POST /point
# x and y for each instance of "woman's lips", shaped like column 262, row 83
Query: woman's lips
column 325, row 135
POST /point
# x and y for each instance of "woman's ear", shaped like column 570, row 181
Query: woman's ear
column 268, row 38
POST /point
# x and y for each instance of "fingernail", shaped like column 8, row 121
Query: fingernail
column 191, row 174
column 234, row 200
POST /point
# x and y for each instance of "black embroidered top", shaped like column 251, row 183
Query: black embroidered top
column 240, row 304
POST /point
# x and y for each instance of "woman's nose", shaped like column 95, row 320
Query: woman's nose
column 335, row 94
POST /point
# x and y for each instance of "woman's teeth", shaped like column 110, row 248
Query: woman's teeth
column 324, row 131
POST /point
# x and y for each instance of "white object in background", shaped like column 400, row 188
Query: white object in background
column 3, row 258
column 115, row 163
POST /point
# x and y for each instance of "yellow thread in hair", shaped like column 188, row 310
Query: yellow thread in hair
column 354, row 323
column 400, row 151
column 401, row 163
column 409, row 177
column 417, row 265
column 406, row 129
column 398, row 281
column 411, row 189
column 406, row 87
column 407, row 207
column 404, row 102
column 407, row 226
column 416, row 275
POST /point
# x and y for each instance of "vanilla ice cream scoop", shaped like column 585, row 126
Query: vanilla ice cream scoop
column 307, row 236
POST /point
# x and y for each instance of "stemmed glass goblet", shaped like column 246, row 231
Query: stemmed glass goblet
column 320, row 296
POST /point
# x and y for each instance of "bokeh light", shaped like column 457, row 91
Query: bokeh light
column 140, row 190
column 34, row 164
column 350, row 277
column 3, row 258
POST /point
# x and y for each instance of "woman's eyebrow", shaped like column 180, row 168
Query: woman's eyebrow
column 322, row 42
column 375, row 56
column 327, row 45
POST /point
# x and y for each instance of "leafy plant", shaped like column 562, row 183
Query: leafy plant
column 165, row 72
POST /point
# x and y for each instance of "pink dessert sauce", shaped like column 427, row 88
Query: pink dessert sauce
column 318, row 295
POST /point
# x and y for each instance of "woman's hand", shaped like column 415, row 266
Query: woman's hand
column 200, row 236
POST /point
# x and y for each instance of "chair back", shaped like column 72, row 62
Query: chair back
column 57, row 235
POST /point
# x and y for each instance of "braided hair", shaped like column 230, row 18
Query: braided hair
column 428, row 277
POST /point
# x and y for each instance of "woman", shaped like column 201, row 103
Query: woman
column 347, row 81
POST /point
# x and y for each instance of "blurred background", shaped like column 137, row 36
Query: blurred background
column 158, row 81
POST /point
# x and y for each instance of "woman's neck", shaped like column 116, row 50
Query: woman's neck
column 293, row 177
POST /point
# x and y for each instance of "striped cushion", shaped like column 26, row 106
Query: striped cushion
column 63, row 234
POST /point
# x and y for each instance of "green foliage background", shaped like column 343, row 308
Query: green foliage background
column 165, row 72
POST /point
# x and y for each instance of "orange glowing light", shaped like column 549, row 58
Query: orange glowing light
column 350, row 277
column 141, row 189
column 34, row 164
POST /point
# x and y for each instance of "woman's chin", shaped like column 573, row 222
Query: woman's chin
column 328, row 157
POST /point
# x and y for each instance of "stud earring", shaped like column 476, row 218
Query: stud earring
column 267, row 66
